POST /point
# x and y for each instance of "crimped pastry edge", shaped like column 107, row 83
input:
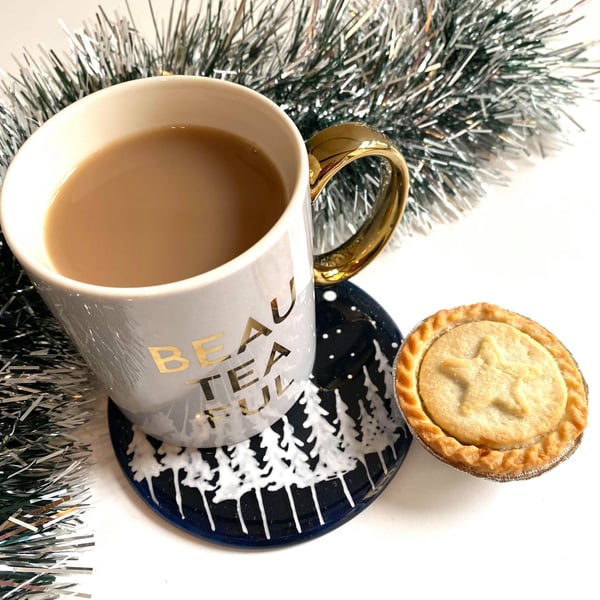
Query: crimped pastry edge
column 501, row 465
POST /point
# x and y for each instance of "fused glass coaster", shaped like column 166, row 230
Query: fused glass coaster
column 320, row 465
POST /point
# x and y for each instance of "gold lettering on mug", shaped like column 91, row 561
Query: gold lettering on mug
column 266, row 394
column 202, row 351
column 213, row 414
column 243, row 404
column 170, row 359
column 279, row 386
column 252, row 325
column 173, row 355
column 277, row 318
column 205, row 385
column 277, row 352
column 235, row 377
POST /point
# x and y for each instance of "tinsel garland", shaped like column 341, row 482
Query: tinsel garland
column 44, row 396
column 462, row 86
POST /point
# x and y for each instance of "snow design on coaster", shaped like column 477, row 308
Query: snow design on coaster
column 316, row 467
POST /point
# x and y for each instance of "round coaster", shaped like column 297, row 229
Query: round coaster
column 320, row 465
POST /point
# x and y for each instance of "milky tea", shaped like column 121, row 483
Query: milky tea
column 161, row 206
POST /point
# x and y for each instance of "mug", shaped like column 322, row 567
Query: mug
column 213, row 359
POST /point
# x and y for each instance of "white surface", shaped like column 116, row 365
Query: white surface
column 531, row 247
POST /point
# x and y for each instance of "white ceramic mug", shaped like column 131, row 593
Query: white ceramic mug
column 216, row 358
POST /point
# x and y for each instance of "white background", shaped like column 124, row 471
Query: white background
column 532, row 247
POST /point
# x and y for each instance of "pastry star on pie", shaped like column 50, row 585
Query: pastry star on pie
column 491, row 392
column 489, row 378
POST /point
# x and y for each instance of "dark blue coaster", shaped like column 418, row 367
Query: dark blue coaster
column 316, row 468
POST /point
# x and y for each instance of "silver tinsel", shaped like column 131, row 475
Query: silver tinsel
column 43, row 485
column 462, row 86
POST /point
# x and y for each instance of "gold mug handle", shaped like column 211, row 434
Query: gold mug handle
column 331, row 150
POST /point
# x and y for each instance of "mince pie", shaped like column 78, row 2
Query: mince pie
column 491, row 392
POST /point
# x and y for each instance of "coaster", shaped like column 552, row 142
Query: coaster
column 321, row 464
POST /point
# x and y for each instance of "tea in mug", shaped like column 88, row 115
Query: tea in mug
column 161, row 206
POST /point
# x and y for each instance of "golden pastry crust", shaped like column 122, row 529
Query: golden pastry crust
column 491, row 392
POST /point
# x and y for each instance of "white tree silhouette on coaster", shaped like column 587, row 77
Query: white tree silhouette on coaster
column 176, row 459
column 143, row 463
column 394, row 422
column 381, row 430
column 348, row 435
column 250, row 473
column 332, row 461
column 200, row 476
column 289, row 466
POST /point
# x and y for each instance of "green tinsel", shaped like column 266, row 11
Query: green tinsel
column 461, row 86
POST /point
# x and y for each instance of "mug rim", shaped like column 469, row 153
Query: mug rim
column 298, row 193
